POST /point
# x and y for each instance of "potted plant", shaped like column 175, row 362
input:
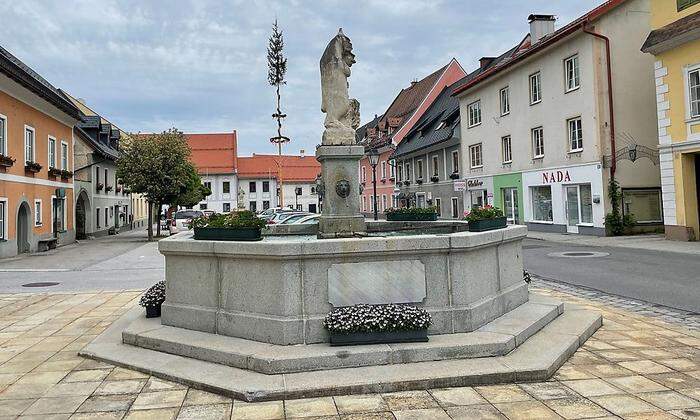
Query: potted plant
column 99, row 186
column 30, row 166
column 411, row 214
column 375, row 324
column 485, row 218
column 108, row 188
column 65, row 174
column 54, row 172
column 119, row 189
column 454, row 175
column 407, row 183
column 153, row 299
column 435, row 178
column 235, row 226
column 419, row 181
column 6, row 161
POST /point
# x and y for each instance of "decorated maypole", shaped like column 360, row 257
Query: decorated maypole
column 277, row 68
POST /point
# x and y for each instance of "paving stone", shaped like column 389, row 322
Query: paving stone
column 645, row 367
column 592, row 387
column 623, row 405
column 675, row 380
column 347, row 404
column 680, row 364
column 97, row 403
column 526, row 410
column 448, row 397
column 608, row 370
column 130, row 386
column 209, row 412
column 13, row 408
column 55, row 405
column 156, row 384
column 503, row 393
column 105, row 415
column 119, row 374
column 155, row 414
column 310, row 407
column 72, row 389
column 21, row 391
column 576, row 408
column 570, row 372
column 548, row 390
column 272, row 410
column 669, row 400
column 160, row 399
column 475, row 412
column 86, row 375
column 384, row 415
column 197, row 397
column 636, row 384
column 687, row 414
column 409, row 400
column 422, row 413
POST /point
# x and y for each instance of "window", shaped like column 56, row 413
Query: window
column 644, row 205
column 407, row 168
column 535, row 88
column 537, row 143
column 505, row 101
column 252, row 187
column 227, row 207
column 52, row 152
column 438, row 206
column 300, row 207
column 226, row 187
column 106, row 217
column 383, row 202
column 266, row 204
column 542, row 203
column 363, row 174
column 364, row 203
column 371, row 204
column 97, row 214
column 584, row 193
column 400, row 173
column 3, row 135
column 575, row 134
column 383, row 166
column 3, row 208
column 59, row 215
column 28, row 144
column 106, row 178
column 37, row 213
column 475, row 156
column 435, row 166
column 203, row 206
column 683, row 4
column 506, row 148
column 474, row 113
column 392, row 169
column 571, row 73
column 455, row 207
column 253, row 206
column 266, row 186
column 97, row 175
column 207, row 185
column 419, row 169
column 694, row 85
column 455, row 162
column 313, row 190
column 64, row 156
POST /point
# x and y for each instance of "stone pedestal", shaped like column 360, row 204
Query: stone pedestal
column 341, row 217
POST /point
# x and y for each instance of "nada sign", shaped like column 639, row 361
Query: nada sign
column 460, row 185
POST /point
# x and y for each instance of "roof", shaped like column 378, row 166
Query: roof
column 99, row 133
column 360, row 132
column 292, row 168
column 675, row 33
column 21, row 73
column 425, row 133
column 525, row 48
column 214, row 153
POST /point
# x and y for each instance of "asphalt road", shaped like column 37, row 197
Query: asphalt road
column 665, row 278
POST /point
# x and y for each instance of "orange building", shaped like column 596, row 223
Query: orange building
column 36, row 160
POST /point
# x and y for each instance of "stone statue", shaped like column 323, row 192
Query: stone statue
column 342, row 113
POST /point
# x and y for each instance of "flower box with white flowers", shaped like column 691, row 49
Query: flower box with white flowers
column 377, row 324
column 153, row 299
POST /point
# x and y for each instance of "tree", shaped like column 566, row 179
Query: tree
column 157, row 166
column 276, row 70
column 192, row 192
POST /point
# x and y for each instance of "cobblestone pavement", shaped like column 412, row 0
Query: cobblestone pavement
column 639, row 365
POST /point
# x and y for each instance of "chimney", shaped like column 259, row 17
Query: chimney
column 540, row 26
column 485, row 61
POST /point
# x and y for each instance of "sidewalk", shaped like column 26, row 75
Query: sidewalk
column 648, row 242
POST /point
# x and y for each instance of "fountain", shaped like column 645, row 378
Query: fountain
column 246, row 318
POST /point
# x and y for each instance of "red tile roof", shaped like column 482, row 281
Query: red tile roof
column 291, row 168
column 214, row 153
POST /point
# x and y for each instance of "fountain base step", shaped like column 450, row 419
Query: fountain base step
column 538, row 351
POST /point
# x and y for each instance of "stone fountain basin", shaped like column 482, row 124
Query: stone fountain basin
column 279, row 290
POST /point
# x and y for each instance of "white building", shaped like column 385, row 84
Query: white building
column 537, row 123
column 214, row 156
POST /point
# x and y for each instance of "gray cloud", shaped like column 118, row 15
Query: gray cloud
column 200, row 65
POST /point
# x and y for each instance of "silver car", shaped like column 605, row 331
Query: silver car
column 181, row 220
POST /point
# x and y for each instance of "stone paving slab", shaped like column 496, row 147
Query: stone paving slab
column 591, row 384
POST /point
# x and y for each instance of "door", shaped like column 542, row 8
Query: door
column 420, row 201
column 573, row 212
column 23, row 229
column 510, row 204
column 80, row 218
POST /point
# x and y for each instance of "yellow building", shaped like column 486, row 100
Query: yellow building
column 675, row 43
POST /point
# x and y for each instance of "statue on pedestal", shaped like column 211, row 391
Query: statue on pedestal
column 342, row 113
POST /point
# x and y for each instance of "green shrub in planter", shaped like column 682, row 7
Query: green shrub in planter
column 235, row 226
column 411, row 214
column 485, row 218
column 365, row 324
column 153, row 299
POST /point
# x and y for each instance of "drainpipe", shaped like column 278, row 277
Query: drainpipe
column 613, row 163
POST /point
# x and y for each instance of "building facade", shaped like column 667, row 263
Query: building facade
column 546, row 124
column 428, row 163
column 36, row 162
column 675, row 45
column 215, row 157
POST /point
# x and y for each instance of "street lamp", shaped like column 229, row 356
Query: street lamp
column 373, row 160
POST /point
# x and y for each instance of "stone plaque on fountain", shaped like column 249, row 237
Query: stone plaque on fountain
column 376, row 283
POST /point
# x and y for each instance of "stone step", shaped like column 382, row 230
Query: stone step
column 497, row 338
column 535, row 360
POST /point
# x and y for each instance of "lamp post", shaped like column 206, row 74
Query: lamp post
column 373, row 160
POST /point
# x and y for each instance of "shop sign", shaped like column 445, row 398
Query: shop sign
column 552, row 177
column 474, row 183
column 460, row 185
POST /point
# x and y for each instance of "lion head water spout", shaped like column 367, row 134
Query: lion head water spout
column 338, row 152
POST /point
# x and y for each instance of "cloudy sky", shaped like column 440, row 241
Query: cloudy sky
column 200, row 65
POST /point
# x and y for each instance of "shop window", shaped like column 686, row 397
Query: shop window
column 475, row 156
column 505, row 101
column 694, row 86
column 479, row 198
column 474, row 109
column 226, row 187
column 572, row 73
column 644, row 205
column 586, row 203
column 575, row 134
column 541, row 203
column 455, row 207
column 535, row 88
column 537, row 143
column 507, row 151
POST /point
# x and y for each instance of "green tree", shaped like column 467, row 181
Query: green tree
column 192, row 192
column 157, row 166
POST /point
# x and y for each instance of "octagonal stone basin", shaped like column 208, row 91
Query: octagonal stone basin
column 279, row 290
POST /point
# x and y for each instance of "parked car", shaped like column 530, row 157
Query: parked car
column 270, row 213
column 181, row 220
column 209, row 212
column 293, row 218
column 278, row 218
column 307, row 220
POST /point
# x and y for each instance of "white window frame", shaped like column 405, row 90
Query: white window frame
column 474, row 113
column 504, row 100
column 32, row 158
column 535, row 147
column 64, row 222
column 438, row 205
column 535, row 95
column 399, row 172
column 419, row 169
column 573, row 83
column 3, row 146
column 364, row 203
column 383, row 203
column 454, row 207
column 64, row 166
column 507, row 157
column 435, row 159
column 407, row 171
column 476, row 157
column 3, row 215
column 392, row 169
column 52, row 152
column 579, row 130
column 689, row 113
column 38, row 221
column 455, row 161
column 383, row 163
column 363, row 173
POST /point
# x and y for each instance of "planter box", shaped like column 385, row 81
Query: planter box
column 54, row 172
column 399, row 217
column 153, row 311
column 227, row 234
column 415, row 336
column 487, row 224
column 6, row 161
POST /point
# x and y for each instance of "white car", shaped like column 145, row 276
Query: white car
column 308, row 220
column 278, row 218
column 181, row 220
column 294, row 218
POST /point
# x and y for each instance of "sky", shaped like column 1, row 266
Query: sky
column 200, row 65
